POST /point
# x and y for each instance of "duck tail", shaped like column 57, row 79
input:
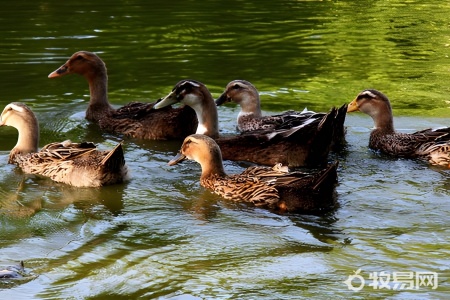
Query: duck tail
column 328, row 177
column 114, row 160
column 339, row 129
column 327, row 122
column 321, row 144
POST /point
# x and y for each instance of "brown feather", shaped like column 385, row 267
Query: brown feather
column 250, row 118
column 428, row 144
column 77, row 164
column 275, row 188
column 138, row 120
column 295, row 146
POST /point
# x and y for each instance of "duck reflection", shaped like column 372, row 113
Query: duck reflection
column 33, row 194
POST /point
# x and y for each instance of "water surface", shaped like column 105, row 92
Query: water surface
column 161, row 235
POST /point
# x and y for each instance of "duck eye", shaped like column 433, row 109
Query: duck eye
column 79, row 57
column 182, row 89
column 187, row 143
column 236, row 86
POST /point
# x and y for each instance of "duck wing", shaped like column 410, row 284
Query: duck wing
column 313, row 191
column 307, row 144
column 140, row 120
column 134, row 110
column 280, row 175
column 243, row 188
column 311, row 119
column 418, row 144
column 77, row 164
column 284, row 120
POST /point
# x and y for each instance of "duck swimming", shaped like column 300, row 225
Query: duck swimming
column 275, row 188
column 432, row 145
column 76, row 164
column 137, row 120
column 251, row 118
column 296, row 146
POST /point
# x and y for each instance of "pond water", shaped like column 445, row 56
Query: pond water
column 162, row 235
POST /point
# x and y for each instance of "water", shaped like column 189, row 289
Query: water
column 161, row 235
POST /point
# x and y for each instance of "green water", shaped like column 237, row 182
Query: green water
column 161, row 235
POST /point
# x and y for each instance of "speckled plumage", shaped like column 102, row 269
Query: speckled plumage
column 77, row 164
column 248, row 122
column 250, row 117
column 135, row 119
column 242, row 188
column 306, row 144
column 275, row 188
column 432, row 145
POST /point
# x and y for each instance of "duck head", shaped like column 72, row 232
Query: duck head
column 203, row 150
column 20, row 116
column 375, row 104
column 243, row 93
column 187, row 92
column 84, row 63
column 195, row 94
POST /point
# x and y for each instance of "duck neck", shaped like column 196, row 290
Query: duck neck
column 99, row 106
column 250, row 106
column 212, row 169
column 383, row 120
column 28, row 140
column 250, row 103
column 206, row 111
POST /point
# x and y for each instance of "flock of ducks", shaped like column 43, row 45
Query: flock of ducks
column 273, row 143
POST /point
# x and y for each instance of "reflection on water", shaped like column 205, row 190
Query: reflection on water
column 162, row 234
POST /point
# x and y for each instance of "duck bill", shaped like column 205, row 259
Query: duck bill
column 166, row 101
column 353, row 106
column 222, row 99
column 61, row 71
column 177, row 159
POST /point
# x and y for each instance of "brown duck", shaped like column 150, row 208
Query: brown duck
column 77, row 164
column 135, row 119
column 296, row 146
column 251, row 118
column 275, row 188
column 432, row 145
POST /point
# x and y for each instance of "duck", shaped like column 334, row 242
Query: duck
column 12, row 271
column 275, row 187
column 304, row 145
column 136, row 120
column 432, row 145
column 250, row 117
column 76, row 164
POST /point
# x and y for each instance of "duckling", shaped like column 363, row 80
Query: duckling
column 137, row 120
column 432, row 145
column 77, row 164
column 275, row 188
column 250, row 117
column 296, row 146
